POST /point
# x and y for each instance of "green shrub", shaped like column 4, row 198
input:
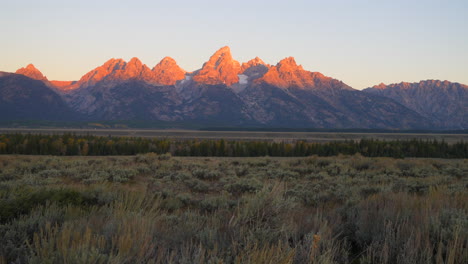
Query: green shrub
column 369, row 190
column 204, row 174
column 147, row 158
column 49, row 173
column 197, row 185
column 244, row 185
column 212, row 204
column 122, row 175
column 7, row 175
column 166, row 156
column 25, row 200
column 241, row 170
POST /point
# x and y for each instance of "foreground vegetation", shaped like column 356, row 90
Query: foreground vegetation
column 161, row 209
column 75, row 145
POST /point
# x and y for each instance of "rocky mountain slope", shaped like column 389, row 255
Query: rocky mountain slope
column 24, row 98
column 443, row 102
column 227, row 92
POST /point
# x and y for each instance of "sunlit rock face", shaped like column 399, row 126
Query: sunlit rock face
column 115, row 70
column 287, row 74
column 254, row 69
column 221, row 68
column 167, row 72
column 62, row 85
column 31, row 72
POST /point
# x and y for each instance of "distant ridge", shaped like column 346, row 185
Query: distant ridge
column 443, row 102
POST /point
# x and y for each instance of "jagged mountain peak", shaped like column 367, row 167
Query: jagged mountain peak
column 221, row 68
column 135, row 62
column 257, row 61
column 167, row 72
column 288, row 74
column 290, row 61
column 439, row 84
column 252, row 63
column 289, row 65
column 223, row 50
column 31, row 66
column 167, row 61
column 423, row 84
column 113, row 64
column 380, row 86
column 115, row 70
column 32, row 72
column 254, row 68
column 135, row 68
column 223, row 55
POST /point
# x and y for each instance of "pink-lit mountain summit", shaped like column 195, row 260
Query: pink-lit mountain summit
column 221, row 68
column 32, row 72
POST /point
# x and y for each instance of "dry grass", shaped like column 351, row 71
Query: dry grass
column 233, row 210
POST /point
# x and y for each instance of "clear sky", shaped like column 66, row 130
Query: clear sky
column 359, row 42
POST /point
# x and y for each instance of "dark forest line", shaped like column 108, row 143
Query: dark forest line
column 88, row 145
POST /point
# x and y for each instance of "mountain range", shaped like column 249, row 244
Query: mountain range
column 226, row 92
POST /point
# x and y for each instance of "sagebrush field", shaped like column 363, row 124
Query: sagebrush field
column 161, row 209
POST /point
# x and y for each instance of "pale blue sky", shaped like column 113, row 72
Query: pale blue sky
column 359, row 42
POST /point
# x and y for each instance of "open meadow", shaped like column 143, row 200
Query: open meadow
column 151, row 208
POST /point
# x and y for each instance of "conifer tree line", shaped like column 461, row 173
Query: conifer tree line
column 88, row 145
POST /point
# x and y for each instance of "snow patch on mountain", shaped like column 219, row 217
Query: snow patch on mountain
column 243, row 79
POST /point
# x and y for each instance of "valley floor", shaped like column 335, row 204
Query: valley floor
column 162, row 209
column 182, row 134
